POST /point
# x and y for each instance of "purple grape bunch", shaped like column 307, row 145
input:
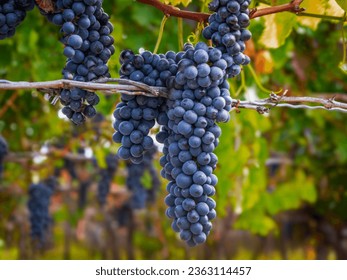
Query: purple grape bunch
column 136, row 115
column 88, row 45
column 38, row 205
column 198, row 99
column 12, row 13
column 3, row 152
column 228, row 31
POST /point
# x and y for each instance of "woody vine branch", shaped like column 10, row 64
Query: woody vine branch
column 135, row 88
column 168, row 10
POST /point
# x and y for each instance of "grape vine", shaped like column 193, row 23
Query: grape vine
column 198, row 99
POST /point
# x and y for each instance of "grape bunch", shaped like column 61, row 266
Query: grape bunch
column 12, row 13
column 228, row 31
column 82, row 193
column 3, row 152
column 69, row 165
column 88, row 45
column 123, row 215
column 38, row 204
column 136, row 115
column 199, row 98
column 107, row 175
column 140, row 194
column 51, row 182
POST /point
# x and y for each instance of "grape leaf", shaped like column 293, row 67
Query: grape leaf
column 177, row 2
column 342, row 4
column 277, row 28
column 320, row 7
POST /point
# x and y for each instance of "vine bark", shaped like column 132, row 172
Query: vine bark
column 293, row 6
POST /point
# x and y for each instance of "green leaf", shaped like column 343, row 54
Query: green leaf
column 255, row 221
column 100, row 157
column 320, row 7
column 342, row 4
column 291, row 194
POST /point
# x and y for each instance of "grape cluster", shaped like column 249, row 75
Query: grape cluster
column 124, row 216
column 3, row 152
column 12, row 13
column 148, row 68
column 88, row 45
column 140, row 194
column 227, row 30
column 107, row 175
column 82, row 193
column 136, row 115
column 38, row 204
column 69, row 165
column 199, row 98
column 51, row 182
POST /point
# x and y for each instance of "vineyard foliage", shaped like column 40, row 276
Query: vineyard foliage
column 268, row 164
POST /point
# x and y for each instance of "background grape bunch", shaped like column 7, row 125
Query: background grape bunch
column 107, row 175
column 38, row 205
column 141, row 195
column 3, row 152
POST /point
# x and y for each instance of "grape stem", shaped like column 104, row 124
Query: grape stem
column 168, row 10
column 135, row 88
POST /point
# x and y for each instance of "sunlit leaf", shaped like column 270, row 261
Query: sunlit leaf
column 319, row 7
column 342, row 4
column 177, row 2
column 277, row 28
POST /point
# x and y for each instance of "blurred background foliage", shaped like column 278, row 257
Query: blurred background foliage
column 282, row 191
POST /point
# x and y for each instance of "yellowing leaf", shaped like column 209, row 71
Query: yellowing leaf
column 319, row 7
column 263, row 62
column 342, row 4
column 277, row 28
